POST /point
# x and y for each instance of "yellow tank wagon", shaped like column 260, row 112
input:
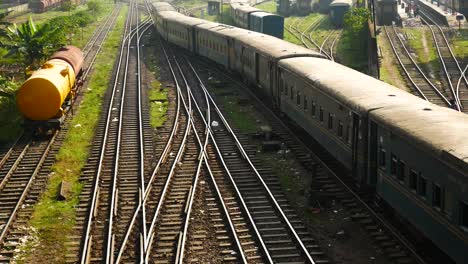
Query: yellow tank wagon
column 46, row 94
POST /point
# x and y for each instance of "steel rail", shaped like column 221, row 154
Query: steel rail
column 85, row 74
column 13, row 167
column 421, row 93
column 203, row 158
column 92, row 208
column 378, row 218
column 156, row 169
column 150, row 237
column 97, row 33
column 333, row 45
column 447, row 74
column 140, row 126
column 20, row 201
column 264, row 185
column 110, row 236
column 10, row 150
column 234, row 185
column 417, row 66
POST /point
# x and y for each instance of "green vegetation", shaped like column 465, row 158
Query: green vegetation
column 27, row 45
column 389, row 70
column 269, row 6
column 54, row 219
column 239, row 112
column 420, row 41
column 158, row 104
column 224, row 17
column 45, row 16
column 353, row 44
column 189, row 3
column 460, row 43
column 32, row 43
column 9, row 115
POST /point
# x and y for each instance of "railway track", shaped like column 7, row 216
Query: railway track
column 422, row 85
column 305, row 36
column 279, row 230
column 452, row 69
column 329, row 43
column 325, row 170
column 115, row 174
column 25, row 170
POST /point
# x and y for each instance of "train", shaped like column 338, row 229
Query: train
column 410, row 152
column 39, row 6
column 338, row 9
column 45, row 97
column 248, row 17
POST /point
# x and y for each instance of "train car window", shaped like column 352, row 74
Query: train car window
column 330, row 121
column 298, row 98
column 313, row 109
column 436, row 196
column 464, row 215
column 401, row 171
column 422, row 185
column 348, row 136
column 292, row 93
column 340, row 129
column 448, row 204
column 321, row 114
column 393, row 165
column 305, row 102
column 413, row 180
column 383, row 158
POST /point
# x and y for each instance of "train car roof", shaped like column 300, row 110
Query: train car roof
column 356, row 90
column 264, row 14
column 182, row 19
column 245, row 8
column 274, row 47
column 341, row 3
column 222, row 29
column 440, row 131
column 163, row 6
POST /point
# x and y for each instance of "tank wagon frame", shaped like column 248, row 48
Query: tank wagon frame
column 49, row 94
column 386, row 137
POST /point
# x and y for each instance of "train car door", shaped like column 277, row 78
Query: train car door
column 355, row 145
column 372, row 150
column 271, row 77
column 257, row 68
column 280, row 82
column 194, row 40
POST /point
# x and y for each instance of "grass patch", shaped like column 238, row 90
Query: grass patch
column 10, row 118
column 43, row 17
column 189, row 3
column 350, row 57
column 459, row 42
column 224, row 17
column 269, row 6
column 389, row 70
column 54, row 219
column 421, row 43
column 158, row 104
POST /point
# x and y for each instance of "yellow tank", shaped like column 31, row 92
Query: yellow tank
column 42, row 95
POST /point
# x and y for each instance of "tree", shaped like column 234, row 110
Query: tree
column 94, row 6
column 355, row 33
column 6, row 88
column 32, row 43
column 4, row 24
column 67, row 5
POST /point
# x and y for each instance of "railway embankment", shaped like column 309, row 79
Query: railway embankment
column 53, row 219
